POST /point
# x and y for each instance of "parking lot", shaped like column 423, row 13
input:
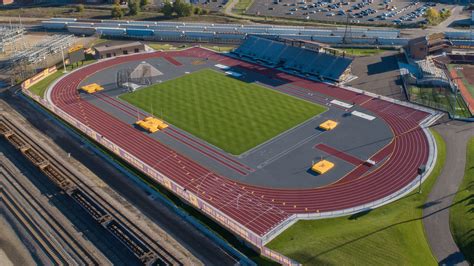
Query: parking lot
column 211, row 5
column 360, row 11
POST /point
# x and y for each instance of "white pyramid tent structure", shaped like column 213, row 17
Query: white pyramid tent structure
column 144, row 74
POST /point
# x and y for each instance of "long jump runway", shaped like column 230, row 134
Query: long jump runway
column 258, row 208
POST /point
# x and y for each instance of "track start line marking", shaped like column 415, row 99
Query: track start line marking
column 363, row 115
column 343, row 104
column 222, row 66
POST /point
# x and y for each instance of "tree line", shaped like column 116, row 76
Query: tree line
column 178, row 8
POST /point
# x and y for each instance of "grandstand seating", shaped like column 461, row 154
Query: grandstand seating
column 429, row 69
column 308, row 62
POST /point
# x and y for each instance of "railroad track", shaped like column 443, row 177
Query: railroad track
column 147, row 249
column 55, row 241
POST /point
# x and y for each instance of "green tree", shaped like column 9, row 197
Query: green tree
column 117, row 12
column 80, row 8
column 445, row 14
column 167, row 9
column 133, row 7
column 144, row 3
column 432, row 15
column 182, row 9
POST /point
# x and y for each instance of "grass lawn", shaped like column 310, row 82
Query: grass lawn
column 389, row 235
column 362, row 51
column 222, row 49
column 163, row 46
column 167, row 46
column 231, row 114
column 242, row 6
column 462, row 211
column 40, row 87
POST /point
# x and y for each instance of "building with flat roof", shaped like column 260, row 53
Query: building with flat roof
column 115, row 49
column 421, row 47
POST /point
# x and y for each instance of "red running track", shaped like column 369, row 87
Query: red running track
column 339, row 154
column 258, row 208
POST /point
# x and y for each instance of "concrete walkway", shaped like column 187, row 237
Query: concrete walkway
column 436, row 208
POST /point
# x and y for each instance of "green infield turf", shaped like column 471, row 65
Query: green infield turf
column 228, row 113
column 389, row 235
column 462, row 210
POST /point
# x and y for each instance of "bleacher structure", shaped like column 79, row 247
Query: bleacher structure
column 429, row 69
column 281, row 53
column 9, row 36
column 39, row 52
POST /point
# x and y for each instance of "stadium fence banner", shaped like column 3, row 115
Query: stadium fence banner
column 38, row 77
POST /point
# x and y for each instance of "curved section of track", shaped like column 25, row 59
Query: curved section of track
column 257, row 208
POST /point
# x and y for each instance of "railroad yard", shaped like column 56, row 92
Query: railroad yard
column 135, row 243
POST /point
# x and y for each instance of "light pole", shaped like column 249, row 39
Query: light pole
column 421, row 171
column 64, row 63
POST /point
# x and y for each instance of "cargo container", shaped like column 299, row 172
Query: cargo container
column 111, row 31
column 86, row 31
column 139, row 32
column 54, row 25
column 63, row 19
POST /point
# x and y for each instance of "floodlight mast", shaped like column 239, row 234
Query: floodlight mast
column 64, row 63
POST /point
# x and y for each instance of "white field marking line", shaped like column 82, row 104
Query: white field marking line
column 387, row 107
column 294, row 147
column 363, row 115
column 343, row 104
column 258, row 216
column 407, row 115
column 233, row 74
column 236, row 198
column 222, row 66
column 277, row 137
column 162, row 160
column 200, row 178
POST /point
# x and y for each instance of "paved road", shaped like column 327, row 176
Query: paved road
column 192, row 239
column 436, row 212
